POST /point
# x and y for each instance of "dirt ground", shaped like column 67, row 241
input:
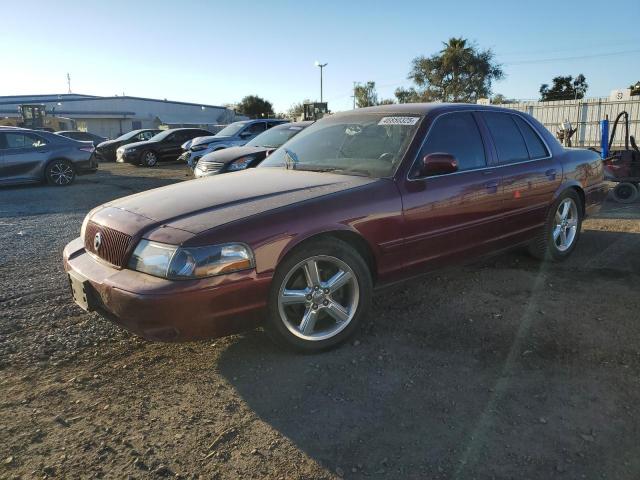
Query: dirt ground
column 504, row 368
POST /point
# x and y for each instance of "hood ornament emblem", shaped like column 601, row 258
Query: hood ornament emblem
column 97, row 241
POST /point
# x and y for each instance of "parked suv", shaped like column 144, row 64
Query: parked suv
column 30, row 156
column 233, row 135
column 107, row 150
column 163, row 146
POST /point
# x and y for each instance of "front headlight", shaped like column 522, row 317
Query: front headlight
column 181, row 263
column 239, row 164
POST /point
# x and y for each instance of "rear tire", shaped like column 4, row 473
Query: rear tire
column 561, row 231
column 149, row 158
column 60, row 173
column 320, row 293
column 625, row 192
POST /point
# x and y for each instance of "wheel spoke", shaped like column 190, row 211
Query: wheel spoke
column 293, row 297
column 337, row 311
column 311, row 273
column 556, row 232
column 563, row 237
column 339, row 280
column 308, row 322
column 565, row 210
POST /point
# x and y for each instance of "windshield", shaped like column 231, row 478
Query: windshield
column 370, row 144
column 128, row 135
column 231, row 129
column 162, row 135
column 275, row 137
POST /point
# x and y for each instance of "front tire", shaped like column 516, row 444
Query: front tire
column 320, row 293
column 562, row 229
column 149, row 158
column 60, row 173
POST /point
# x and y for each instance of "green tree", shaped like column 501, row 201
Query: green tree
column 499, row 99
column 407, row 95
column 255, row 107
column 386, row 101
column 564, row 88
column 366, row 95
column 296, row 110
column 460, row 72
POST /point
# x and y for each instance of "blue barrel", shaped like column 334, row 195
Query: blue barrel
column 604, row 138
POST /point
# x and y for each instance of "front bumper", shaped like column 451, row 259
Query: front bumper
column 127, row 157
column 166, row 310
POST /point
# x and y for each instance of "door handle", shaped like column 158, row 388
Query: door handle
column 551, row 173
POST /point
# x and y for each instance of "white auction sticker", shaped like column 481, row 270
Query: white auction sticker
column 398, row 120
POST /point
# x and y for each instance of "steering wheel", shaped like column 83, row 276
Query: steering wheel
column 387, row 157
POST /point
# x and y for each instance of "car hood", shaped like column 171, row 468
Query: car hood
column 228, row 154
column 129, row 146
column 210, row 139
column 108, row 144
column 198, row 205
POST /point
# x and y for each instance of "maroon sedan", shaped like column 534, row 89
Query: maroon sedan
column 358, row 200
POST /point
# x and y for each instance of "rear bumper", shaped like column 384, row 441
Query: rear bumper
column 165, row 310
column 594, row 198
column 87, row 166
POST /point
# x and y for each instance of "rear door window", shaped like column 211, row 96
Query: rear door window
column 458, row 135
column 535, row 145
column 507, row 138
column 23, row 140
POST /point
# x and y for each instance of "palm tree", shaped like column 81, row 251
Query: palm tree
column 455, row 56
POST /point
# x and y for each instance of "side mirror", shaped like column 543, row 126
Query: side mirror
column 438, row 164
column 246, row 134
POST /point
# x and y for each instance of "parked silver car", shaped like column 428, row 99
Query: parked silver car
column 29, row 156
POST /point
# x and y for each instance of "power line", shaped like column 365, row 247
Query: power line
column 576, row 57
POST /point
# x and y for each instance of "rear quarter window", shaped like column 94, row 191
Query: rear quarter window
column 507, row 138
column 535, row 145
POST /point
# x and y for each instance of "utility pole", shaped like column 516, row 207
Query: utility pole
column 321, row 66
column 69, row 82
column 355, row 85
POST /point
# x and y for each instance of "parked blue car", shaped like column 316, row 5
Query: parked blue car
column 233, row 135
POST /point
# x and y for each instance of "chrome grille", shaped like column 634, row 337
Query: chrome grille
column 113, row 245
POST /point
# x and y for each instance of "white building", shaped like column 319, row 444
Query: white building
column 113, row 116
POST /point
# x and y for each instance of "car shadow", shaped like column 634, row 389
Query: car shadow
column 491, row 370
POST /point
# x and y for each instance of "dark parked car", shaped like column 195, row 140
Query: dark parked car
column 29, row 156
column 82, row 136
column 251, row 154
column 233, row 135
column 166, row 145
column 107, row 150
column 358, row 200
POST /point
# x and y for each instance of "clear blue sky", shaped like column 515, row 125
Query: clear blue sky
column 217, row 52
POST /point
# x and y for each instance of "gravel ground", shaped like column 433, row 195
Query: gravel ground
column 528, row 371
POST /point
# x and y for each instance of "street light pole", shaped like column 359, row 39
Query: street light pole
column 321, row 65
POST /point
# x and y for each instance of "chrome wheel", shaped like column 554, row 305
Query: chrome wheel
column 318, row 298
column 150, row 159
column 565, row 225
column 61, row 173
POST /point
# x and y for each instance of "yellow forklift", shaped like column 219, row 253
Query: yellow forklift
column 35, row 116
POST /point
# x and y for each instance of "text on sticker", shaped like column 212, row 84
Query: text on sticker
column 398, row 120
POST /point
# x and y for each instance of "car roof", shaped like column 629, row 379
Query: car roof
column 286, row 125
column 425, row 108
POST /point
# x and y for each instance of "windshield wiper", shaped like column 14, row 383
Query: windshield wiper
column 343, row 171
column 290, row 158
